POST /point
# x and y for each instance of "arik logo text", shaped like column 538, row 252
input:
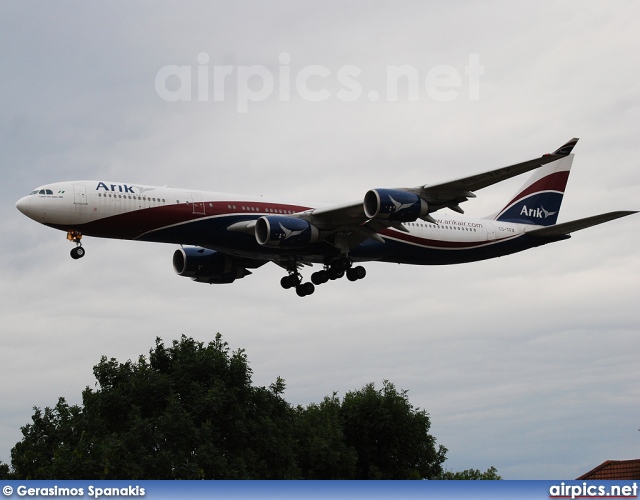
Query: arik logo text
column 120, row 188
column 538, row 213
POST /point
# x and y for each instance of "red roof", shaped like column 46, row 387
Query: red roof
column 620, row 470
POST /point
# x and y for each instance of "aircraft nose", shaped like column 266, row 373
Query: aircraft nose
column 23, row 205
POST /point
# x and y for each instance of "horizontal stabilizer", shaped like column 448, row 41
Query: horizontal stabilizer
column 576, row 225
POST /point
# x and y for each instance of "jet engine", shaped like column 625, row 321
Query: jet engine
column 286, row 232
column 394, row 205
column 206, row 266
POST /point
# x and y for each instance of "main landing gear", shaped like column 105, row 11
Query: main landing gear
column 75, row 236
column 332, row 271
column 294, row 279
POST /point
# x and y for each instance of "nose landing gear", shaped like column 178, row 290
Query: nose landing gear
column 75, row 236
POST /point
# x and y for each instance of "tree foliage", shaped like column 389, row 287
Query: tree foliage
column 472, row 474
column 321, row 448
column 189, row 411
column 5, row 471
column 390, row 437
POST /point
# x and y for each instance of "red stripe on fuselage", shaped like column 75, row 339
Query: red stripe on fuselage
column 553, row 182
column 131, row 225
column 441, row 244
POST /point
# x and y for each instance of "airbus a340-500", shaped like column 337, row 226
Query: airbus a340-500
column 224, row 236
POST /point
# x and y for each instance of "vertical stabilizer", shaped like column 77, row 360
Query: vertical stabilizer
column 538, row 201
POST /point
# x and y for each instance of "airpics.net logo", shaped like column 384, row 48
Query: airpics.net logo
column 591, row 490
column 206, row 82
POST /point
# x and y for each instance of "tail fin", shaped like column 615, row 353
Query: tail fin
column 538, row 201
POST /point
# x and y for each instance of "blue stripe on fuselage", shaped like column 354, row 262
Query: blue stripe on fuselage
column 405, row 253
column 211, row 232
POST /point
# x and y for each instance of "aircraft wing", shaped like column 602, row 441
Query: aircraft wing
column 350, row 218
column 347, row 224
column 575, row 225
column 451, row 193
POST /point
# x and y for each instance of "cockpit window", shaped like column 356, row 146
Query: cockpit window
column 42, row 191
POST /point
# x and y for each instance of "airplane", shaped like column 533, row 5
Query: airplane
column 223, row 237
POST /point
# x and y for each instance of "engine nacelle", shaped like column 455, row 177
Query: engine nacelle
column 285, row 232
column 206, row 266
column 391, row 204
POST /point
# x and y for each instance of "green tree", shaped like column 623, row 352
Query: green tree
column 5, row 471
column 370, row 434
column 321, row 448
column 490, row 474
column 390, row 437
column 188, row 412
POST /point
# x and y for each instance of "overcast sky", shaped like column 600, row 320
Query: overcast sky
column 528, row 363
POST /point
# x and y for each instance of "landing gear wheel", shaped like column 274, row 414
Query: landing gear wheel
column 342, row 264
column 320, row 277
column 285, row 282
column 77, row 253
column 356, row 273
column 290, row 281
column 335, row 274
column 305, row 289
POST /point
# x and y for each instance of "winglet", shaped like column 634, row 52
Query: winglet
column 566, row 148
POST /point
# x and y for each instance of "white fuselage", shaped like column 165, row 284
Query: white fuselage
column 165, row 214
